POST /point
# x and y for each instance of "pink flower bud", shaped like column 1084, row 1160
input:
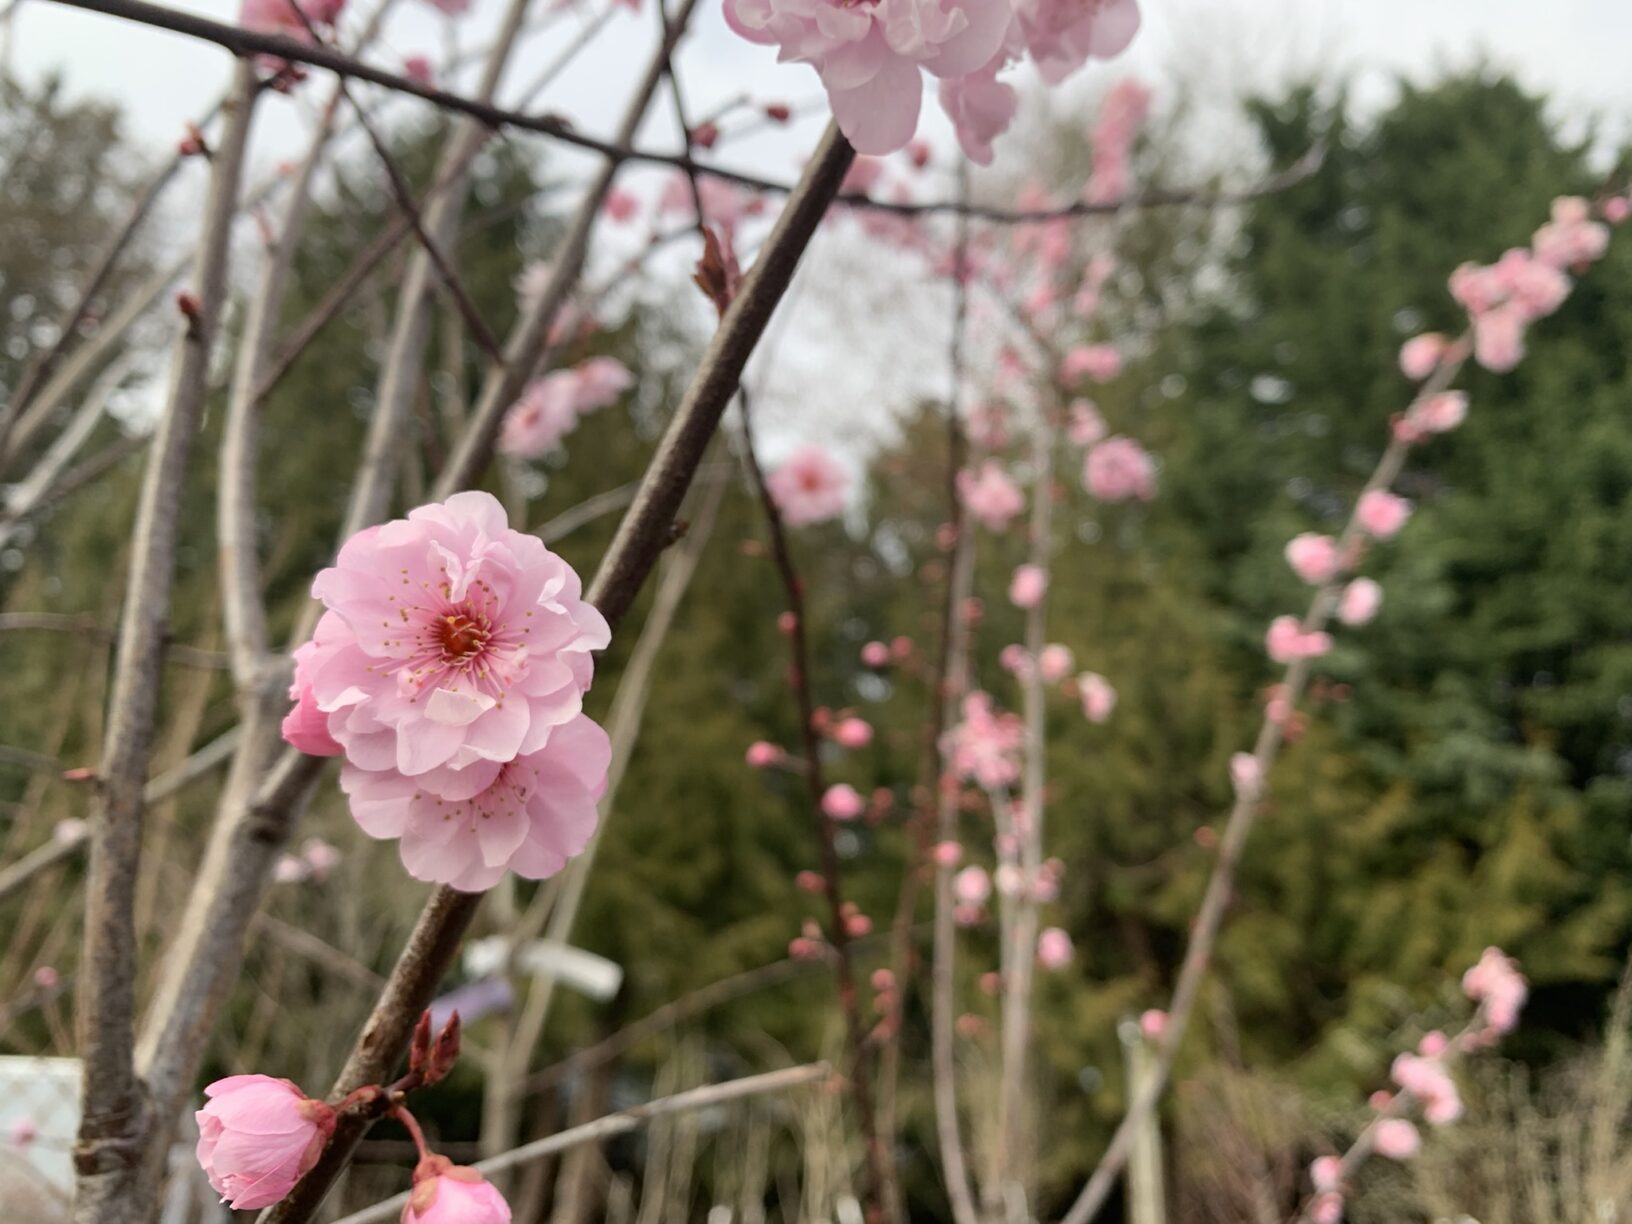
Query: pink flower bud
column 1313, row 558
column 1359, row 602
column 1053, row 949
column 446, row 1193
column 1098, row 697
column 946, row 854
column 1396, row 1139
column 901, row 648
column 1326, row 1173
column 1617, row 209
column 883, row 980
column 809, row 881
column 1054, row 662
column 762, row 754
column 46, row 978
column 1327, row 1208
column 857, row 925
column 1027, row 586
column 875, row 655
column 1433, row 1044
column 853, row 733
column 1381, row 514
column 1153, row 1024
column 842, row 802
column 1438, row 413
column 786, row 623
column 972, row 886
column 258, row 1136
column 1421, row 355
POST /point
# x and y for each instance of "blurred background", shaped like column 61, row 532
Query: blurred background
column 1464, row 779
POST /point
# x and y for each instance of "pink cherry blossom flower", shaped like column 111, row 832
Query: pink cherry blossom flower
column 1009, row 880
column 320, row 857
column 1381, row 514
column 981, row 108
column 810, row 486
column 1571, row 238
column 1396, row 1139
column 257, row 1136
column 1327, row 1208
column 70, row 829
column 972, row 886
column 1096, row 362
column 282, row 17
column 1498, row 339
column 306, row 727
column 1086, row 426
column 1433, row 1044
column 985, row 745
column 1286, row 641
column 762, row 754
column 1062, row 35
column 528, row 815
column 290, row 869
column 1326, row 1173
column 446, row 1193
column 1246, row 775
column 871, row 57
column 842, row 802
column 1027, row 586
column 1617, row 209
column 418, row 68
column 853, row 733
column 545, row 414
column 1118, row 469
column 1121, row 115
column 451, row 644
column 946, row 854
column 1098, row 697
column 1054, row 949
column 1313, row 558
column 990, row 495
column 875, row 655
column 598, row 383
column 1153, row 1024
column 1054, row 662
column 1427, row 1080
column 1420, row 356
column 621, row 205
column 47, row 978
column 1498, row 986
column 1438, row 413
column 1359, row 602
column 1014, row 660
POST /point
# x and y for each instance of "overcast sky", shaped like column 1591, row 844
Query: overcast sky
column 1575, row 51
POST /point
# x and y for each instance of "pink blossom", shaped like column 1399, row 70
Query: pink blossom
column 809, row 486
column 1427, row 1080
column 418, row 68
column 762, row 754
column 946, row 854
column 598, row 382
column 1498, row 339
column 990, row 495
column 320, row 857
column 1314, row 558
column 257, row 1137
column 842, row 802
column 1153, row 1024
column 972, row 886
column 1287, row 642
column 1420, row 356
column 1498, row 986
column 282, row 16
column 1381, row 514
column 981, row 108
column 1062, row 35
column 1097, row 362
column 882, row 980
column 1327, row 1208
column 621, row 205
column 1617, row 209
column 1014, row 660
column 1009, row 880
column 452, row 645
column 1326, row 1173
column 537, row 422
column 290, row 869
column 1246, row 775
column 870, row 57
column 1571, row 238
column 1098, row 697
column 1396, row 1139
column 1121, row 115
column 46, row 978
column 875, row 655
column 1118, row 469
column 1027, row 586
column 1433, row 1044
column 465, row 828
column 985, row 745
column 1359, row 602
column 1054, row 662
column 1438, row 413
column 1086, row 425
column 306, row 727
column 1053, row 949
column 853, row 733
column 446, row 1193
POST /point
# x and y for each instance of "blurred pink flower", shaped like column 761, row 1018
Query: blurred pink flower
column 875, row 655
column 1062, row 35
column 762, row 754
column 1313, row 558
column 1118, row 469
column 972, row 886
column 1246, row 775
column 1054, row 662
column 1427, row 1080
column 853, row 733
column 990, row 495
column 1381, row 514
column 1396, row 1139
column 1096, row 362
column 1359, row 601
column 1053, row 949
column 1497, row 985
column 257, row 1137
column 1420, row 356
column 1121, row 114
column 946, row 854
column 809, row 487
column 1438, row 413
column 1086, row 425
column 842, row 802
column 1028, row 585
column 1153, row 1024
column 1327, row 1208
column 1098, row 697
column 1287, row 642
column 985, row 745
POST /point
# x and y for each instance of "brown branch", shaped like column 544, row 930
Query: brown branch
column 641, row 538
column 112, row 1106
column 248, row 42
column 879, row 1186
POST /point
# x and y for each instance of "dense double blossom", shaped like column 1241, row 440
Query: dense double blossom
column 450, row 669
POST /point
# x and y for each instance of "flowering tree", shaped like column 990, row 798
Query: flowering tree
column 446, row 651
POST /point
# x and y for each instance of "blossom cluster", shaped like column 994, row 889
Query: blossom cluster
column 551, row 407
column 449, row 670
column 872, row 56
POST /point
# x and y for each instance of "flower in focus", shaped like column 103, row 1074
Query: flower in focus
column 981, row 108
column 1118, row 469
column 446, row 1193
column 257, row 1137
column 809, row 487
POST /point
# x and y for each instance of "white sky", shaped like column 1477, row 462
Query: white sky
column 1576, row 51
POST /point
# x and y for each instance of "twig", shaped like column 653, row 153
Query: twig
column 86, row 626
column 1215, row 901
column 305, row 944
column 619, row 1123
column 878, row 1189
column 248, row 42
column 111, row 1119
